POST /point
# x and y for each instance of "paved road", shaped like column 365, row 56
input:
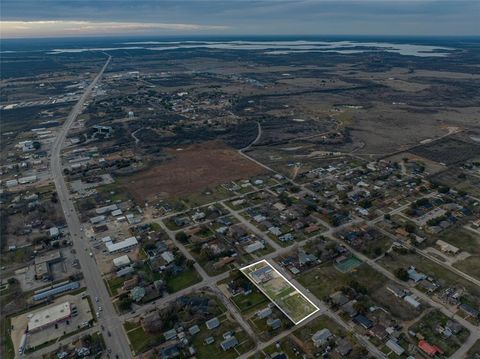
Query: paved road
column 93, row 278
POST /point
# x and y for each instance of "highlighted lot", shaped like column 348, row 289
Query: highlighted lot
column 296, row 306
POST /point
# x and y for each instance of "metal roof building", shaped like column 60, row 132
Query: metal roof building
column 120, row 246
column 57, row 290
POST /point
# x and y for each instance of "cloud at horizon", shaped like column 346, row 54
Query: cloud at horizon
column 41, row 18
column 51, row 28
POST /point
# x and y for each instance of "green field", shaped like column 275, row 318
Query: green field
column 139, row 340
column 183, row 280
column 470, row 265
column 254, row 300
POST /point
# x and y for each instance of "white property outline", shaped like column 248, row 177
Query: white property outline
column 285, row 279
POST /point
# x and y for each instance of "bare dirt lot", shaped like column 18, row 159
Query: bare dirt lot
column 194, row 169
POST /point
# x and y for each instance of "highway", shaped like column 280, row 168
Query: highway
column 109, row 318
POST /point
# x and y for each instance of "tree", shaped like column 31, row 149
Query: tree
column 181, row 237
column 125, row 303
column 402, row 274
column 443, row 189
column 410, row 228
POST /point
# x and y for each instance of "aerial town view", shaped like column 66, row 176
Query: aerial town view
column 200, row 179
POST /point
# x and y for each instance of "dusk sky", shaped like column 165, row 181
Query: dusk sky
column 59, row 18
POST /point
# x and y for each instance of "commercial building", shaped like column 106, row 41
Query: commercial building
column 49, row 316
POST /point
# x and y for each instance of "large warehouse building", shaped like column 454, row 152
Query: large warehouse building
column 49, row 316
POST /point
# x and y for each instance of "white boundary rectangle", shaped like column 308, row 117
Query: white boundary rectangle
column 285, row 279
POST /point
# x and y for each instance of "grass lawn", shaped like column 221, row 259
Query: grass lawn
column 7, row 349
column 255, row 300
column 183, row 280
column 326, row 279
column 140, row 341
column 119, row 194
column 475, row 349
column 470, row 265
column 199, row 199
column 114, row 284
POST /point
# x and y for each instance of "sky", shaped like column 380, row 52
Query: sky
column 64, row 18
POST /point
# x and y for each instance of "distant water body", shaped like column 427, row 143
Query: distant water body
column 433, row 47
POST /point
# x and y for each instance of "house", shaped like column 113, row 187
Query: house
column 275, row 231
column 429, row 349
column 470, row 310
column 305, row 258
column 397, row 291
column 264, row 313
column 261, row 275
column 412, row 301
column 378, row 331
column 392, row 344
column 274, row 323
column 343, row 347
column 349, row 308
column 229, row 343
column 209, row 340
column 169, row 352
column 277, row 355
column 212, row 323
column 286, row 237
column 321, row 337
column 54, row 232
column 222, row 262
column 363, row 321
column 194, row 329
column 168, row 256
column 447, row 247
column 170, row 334
column 339, row 298
column 137, row 293
column 253, row 247
column 415, row 276
column 454, row 327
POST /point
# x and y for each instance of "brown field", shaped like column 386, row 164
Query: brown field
column 194, row 169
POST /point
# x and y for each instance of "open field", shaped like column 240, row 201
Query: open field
column 448, row 151
column 454, row 177
column 193, row 169
column 324, row 280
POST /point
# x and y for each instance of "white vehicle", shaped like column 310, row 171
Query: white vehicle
column 96, row 299
column 100, row 309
